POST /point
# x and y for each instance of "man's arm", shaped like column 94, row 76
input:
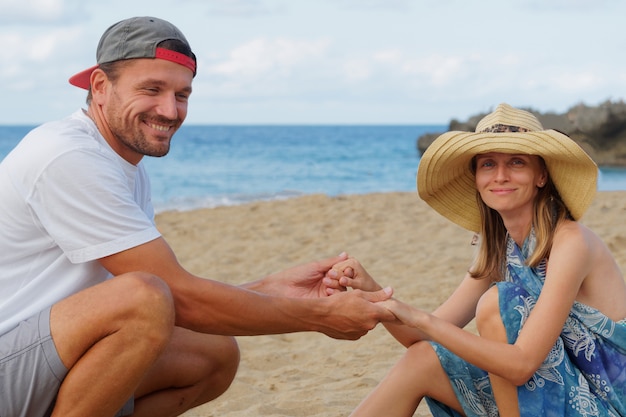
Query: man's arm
column 213, row 307
column 301, row 281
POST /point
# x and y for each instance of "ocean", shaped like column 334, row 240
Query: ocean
column 211, row 166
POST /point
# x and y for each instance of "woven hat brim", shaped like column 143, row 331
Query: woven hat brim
column 446, row 183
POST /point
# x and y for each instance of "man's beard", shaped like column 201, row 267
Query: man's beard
column 136, row 139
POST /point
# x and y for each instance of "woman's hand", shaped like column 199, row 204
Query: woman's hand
column 349, row 274
column 406, row 314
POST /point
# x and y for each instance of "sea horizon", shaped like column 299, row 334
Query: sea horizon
column 213, row 165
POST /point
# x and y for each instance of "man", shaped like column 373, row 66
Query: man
column 97, row 317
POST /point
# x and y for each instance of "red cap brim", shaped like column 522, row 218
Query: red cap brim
column 82, row 79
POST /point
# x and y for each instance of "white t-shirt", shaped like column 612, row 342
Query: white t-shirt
column 66, row 200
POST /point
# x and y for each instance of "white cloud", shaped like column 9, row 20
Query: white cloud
column 40, row 11
column 569, row 6
column 269, row 56
column 32, row 10
column 388, row 56
column 37, row 48
column 394, row 5
column 577, row 82
column 356, row 70
column 369, row 61
column 242, row 8
column 27, row 64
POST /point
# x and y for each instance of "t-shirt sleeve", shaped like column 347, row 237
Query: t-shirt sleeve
column 87, row 202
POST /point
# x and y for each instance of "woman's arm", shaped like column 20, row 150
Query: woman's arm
column 570, row 263
column 459, row 309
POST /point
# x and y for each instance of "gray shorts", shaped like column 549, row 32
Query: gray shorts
column 31, row 371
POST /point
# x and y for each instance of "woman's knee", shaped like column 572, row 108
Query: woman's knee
column 488, row 319
column 422, row 355
column 428, row 377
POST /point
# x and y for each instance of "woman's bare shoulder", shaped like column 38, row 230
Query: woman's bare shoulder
column 572, row 234
column 603, row 286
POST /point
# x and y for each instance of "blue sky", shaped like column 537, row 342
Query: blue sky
column 333, row 61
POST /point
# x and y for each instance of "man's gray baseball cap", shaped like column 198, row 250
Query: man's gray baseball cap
column 136, row 37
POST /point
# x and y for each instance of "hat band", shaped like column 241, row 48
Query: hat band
column 176, row 57
column 500, row 128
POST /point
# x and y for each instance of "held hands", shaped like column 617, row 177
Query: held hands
column 351, row 314
column 302, row 281
column 345, row 315
column 349, row 274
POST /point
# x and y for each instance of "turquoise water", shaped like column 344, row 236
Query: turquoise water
column 223, row 165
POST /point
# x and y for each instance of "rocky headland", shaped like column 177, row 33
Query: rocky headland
column 599, row 130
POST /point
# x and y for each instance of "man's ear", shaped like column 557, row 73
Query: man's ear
column 99, row 83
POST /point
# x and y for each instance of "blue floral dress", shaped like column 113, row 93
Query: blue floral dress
column 583, row 375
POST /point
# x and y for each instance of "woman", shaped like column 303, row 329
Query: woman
column 548, row 298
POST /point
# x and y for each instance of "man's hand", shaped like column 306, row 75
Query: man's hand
column 302, row 281
column 350, row 315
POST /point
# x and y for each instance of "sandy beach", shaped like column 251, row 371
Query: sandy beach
column 399, row 239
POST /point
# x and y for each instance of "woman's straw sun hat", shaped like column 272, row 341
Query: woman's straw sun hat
column 445, row 180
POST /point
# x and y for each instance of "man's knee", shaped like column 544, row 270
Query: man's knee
column 134, row 311
column 145, row 289
column 225, row 365
column 148, row 303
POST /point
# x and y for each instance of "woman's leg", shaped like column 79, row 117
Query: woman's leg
column 490, row 326
column 418, row 374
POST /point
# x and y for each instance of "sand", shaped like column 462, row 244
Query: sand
column 399, row 239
